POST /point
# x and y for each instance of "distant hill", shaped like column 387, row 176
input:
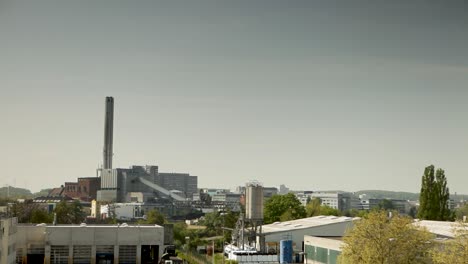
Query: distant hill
column 379, row 194
column 43, row 192
column 16, row 193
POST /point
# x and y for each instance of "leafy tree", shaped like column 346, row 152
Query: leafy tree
column 434, row 196
column 356, row 213
column 385, row 204
column 29, row 212
column 413, row 212
column 5, row 201
column 215, row 222
column 286, row 205
column 315, row 208
column 154, row 217
column 41, row 216
column 69, row 213
column 462, row 211
column 453, row 251
column 327, row 210
column 378, row 239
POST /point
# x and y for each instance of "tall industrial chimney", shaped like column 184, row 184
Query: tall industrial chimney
column 108, row 133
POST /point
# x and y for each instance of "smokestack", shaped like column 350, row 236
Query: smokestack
column 108, row 133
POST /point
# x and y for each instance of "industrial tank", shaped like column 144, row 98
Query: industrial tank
column 254, row 201
column 286, row 251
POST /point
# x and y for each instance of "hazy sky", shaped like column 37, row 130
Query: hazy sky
column 317, row 95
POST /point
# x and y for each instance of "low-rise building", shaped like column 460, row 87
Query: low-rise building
column 325, row 250
column 342, row 201
column 321, row 250
column 89, row 244
column 295, row 230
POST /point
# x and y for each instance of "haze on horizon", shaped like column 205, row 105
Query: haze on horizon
column 316, row 95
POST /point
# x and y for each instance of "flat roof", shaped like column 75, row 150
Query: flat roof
column 440, row 228
column 91, row 226
column 305, row 223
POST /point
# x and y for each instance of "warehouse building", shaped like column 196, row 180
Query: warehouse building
column 295, row 230
column 89, row 244
column 320, row 250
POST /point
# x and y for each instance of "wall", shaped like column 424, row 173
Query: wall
column 8, row 232
column 68, row 240
column 321, row 250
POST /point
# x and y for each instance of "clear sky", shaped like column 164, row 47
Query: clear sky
column 317, row 95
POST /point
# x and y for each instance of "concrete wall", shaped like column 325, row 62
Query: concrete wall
column 74, row 236
column 8, row 232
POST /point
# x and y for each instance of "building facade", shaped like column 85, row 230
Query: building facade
column 117, row 183
column 8, row 230
column 320, row 250
column 295, row 230
column 342, row 201
column 90, row 244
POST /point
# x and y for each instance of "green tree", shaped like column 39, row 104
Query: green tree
column 313, row 207
column 41, row 216
column 29, row 212
column 327, row 210
column 286, row 205
column 216, row 221
column 462, row 211
column 453, row 251
column 434, row 196
column 69, row 213
column 356, row 213
column 379, row 239
column 385, row 204
column 154, row 217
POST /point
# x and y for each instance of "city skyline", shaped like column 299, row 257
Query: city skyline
column 314, row 95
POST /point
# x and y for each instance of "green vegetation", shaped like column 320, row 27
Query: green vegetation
column 29, row 212
column 453, row 251
column 283, row 208
column 379, row 239
column 434, row 198
column 69, row 213
column 314, row 208
column 462, row 211
column 386, row 204
column 154, row 217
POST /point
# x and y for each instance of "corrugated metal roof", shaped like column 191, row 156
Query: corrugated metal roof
column 304, row 223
